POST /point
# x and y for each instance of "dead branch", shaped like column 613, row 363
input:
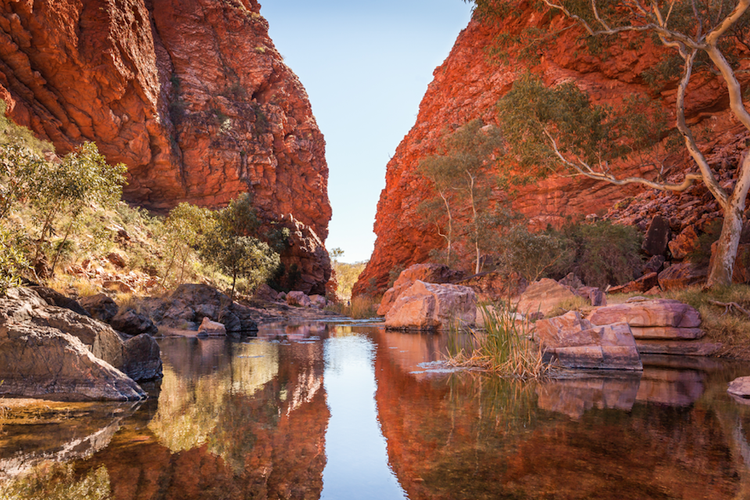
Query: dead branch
column 728, row 306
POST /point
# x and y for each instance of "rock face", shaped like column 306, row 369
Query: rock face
column 427, row 306
column 44, row 362
column 467, row 86
column 26, row 308
column 428, row 273
column 661, row 319
column 576, row 343
column 191, row 95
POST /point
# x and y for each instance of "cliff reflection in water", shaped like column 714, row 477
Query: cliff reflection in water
column 233, row 420
column 340, row 412
column 671, row 432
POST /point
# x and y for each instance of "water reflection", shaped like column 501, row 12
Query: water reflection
column 356, row 449
column 319, row 411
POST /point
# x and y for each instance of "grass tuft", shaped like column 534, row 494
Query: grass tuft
column 504, row 347
column 360, row 307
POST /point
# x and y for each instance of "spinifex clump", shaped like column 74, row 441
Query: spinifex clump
column 504, row 346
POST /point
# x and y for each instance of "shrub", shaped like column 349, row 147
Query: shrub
column 605, row 253
column 534, row 255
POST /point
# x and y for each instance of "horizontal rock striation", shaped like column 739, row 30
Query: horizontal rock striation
column 191, row 95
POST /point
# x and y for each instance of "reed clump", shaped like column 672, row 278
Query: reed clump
column 503, row 347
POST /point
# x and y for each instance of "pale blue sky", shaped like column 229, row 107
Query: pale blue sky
column 366, row 66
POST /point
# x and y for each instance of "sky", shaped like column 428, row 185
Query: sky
column 366, row 66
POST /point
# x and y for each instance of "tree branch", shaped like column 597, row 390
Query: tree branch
column 586, row 170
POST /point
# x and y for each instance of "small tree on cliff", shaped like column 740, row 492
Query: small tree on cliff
column 461, row 175
column 698, row 32
column 230, row 244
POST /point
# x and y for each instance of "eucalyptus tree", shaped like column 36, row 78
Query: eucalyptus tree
column 706, row 33
column 463, row 175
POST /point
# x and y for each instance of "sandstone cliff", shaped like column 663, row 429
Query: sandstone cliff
column 468, row 85
column 190, row 94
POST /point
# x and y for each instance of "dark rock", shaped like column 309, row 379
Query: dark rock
column 681, row 276
column 142, row 358
column 657, row 236
column 654, row 264
column 645, row 282
column 572, row 281
column 42, row 362
column 55, row 298
column 685, row 243
column 100, row 306
column 130, row 322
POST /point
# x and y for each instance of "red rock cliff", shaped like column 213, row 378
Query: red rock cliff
column 190, row 94
column 468, row 85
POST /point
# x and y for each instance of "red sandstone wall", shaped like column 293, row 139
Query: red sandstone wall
column 467, row 86
column 190, row 94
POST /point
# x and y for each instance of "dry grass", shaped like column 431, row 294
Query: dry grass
column 504, row 347
column 730, row 327
column 573, row 304
column 360, row 307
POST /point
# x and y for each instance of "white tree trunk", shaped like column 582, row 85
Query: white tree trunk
column 725, row 254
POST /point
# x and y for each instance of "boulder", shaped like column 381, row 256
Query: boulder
column 684, row 243
column 25, row 307
column 740, row 387
column 682, row 275
column 654, row 264
column 43, row 362
column 641, row 285
column 594, row 295
column 186, row 307
column 55, row 298
column 318, row 301
column 130, row 322
column 100, row 306
column 428, row 306
column 265, row 292
column 117, row 259
column 544, row 296
column 653, row 319
column 494, row 287
column 298, row 299
column 608, row 347
column 212, row 328
column 427, row 273
column 141, row 358
column 562, row 330
column 657, row 236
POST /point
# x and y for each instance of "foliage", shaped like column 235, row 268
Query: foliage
column 230, row 246
column 19, row 175
column 604, row 253
column 58, row 482
column 534, row 255
column 83, row 178
column 12, row 259
column 504, row 347
column 462, row 177
column 346, row 274
column 701, row 253
column 359, row 307
column 182, row 232
column 20, row 137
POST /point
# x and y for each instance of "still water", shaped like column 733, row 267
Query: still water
column 356, row 412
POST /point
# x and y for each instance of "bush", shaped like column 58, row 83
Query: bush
column 534, row 255
column 605, row 253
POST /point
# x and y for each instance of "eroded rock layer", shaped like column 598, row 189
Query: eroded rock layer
column 468, row 85
column 190, row 94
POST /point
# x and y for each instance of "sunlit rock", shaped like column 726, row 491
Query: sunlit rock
column 426, row 306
